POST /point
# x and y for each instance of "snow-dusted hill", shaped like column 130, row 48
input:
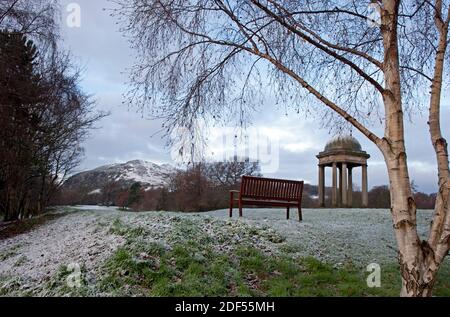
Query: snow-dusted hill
column 149, row 174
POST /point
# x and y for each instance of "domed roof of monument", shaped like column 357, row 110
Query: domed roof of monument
column 343, row 143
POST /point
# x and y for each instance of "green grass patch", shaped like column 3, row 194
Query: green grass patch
column 21, row 261
column 192, row 268
column 8, row 285
column 68, row 281
column 185, row 270
column 13, row 251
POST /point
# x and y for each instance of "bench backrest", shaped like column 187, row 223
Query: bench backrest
column 271, row 188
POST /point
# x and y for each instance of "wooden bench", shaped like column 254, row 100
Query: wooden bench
column 257, row 191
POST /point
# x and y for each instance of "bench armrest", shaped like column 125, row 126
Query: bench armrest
column 234, row 191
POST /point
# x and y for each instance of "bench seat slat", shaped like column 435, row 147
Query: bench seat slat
column 274, row 203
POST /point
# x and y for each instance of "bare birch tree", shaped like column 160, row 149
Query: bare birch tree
column 36, row 19
column 354, row 62
column 44, row 115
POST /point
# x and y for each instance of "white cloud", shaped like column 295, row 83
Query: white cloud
column 301, row 147
column 422, row 167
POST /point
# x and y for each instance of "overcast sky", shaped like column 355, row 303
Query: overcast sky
column 105, row 56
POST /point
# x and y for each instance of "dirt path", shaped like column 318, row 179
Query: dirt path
column 79, row 237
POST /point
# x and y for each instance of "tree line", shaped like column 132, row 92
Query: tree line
column 205, row 187
column 44, row 115
column 200, row 187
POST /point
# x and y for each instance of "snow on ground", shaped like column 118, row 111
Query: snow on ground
column 95, row 191
column 79, row 237
column 362, row 236
column 84, row 236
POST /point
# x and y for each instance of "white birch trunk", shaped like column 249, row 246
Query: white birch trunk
column 419, row 260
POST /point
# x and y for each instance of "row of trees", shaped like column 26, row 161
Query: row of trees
column 380, row 197
column 187, row 184
column 44, row 116
column 206, row 187
column 200, row 187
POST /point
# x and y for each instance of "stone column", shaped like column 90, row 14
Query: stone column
column 365, row 198
column 334, row 186
column 350, row 188
column 344, row 185
column 322, row 185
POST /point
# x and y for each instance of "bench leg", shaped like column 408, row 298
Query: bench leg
column 231, row 204
column 240, row 209
column 287, row 213
column 300, row 216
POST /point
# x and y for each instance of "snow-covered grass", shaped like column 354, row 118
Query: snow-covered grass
column 362, row 236
column 79, row 237
column 166, row 253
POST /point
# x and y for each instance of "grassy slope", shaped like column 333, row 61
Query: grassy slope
column 190, row 265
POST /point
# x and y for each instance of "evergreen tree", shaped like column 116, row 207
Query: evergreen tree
column 20, row 93
column 134, row 194
column 163, row 200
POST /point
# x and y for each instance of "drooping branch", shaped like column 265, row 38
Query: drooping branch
column 421, row 73
column 8, row 10
column 318, row 43
column 364, row 130
column 333, row 106
column 286, row 14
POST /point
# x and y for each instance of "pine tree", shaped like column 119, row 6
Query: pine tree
column 20, row 92
column 134, row 194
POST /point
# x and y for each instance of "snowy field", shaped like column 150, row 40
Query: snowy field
column 83, row 235
column 362, row 236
